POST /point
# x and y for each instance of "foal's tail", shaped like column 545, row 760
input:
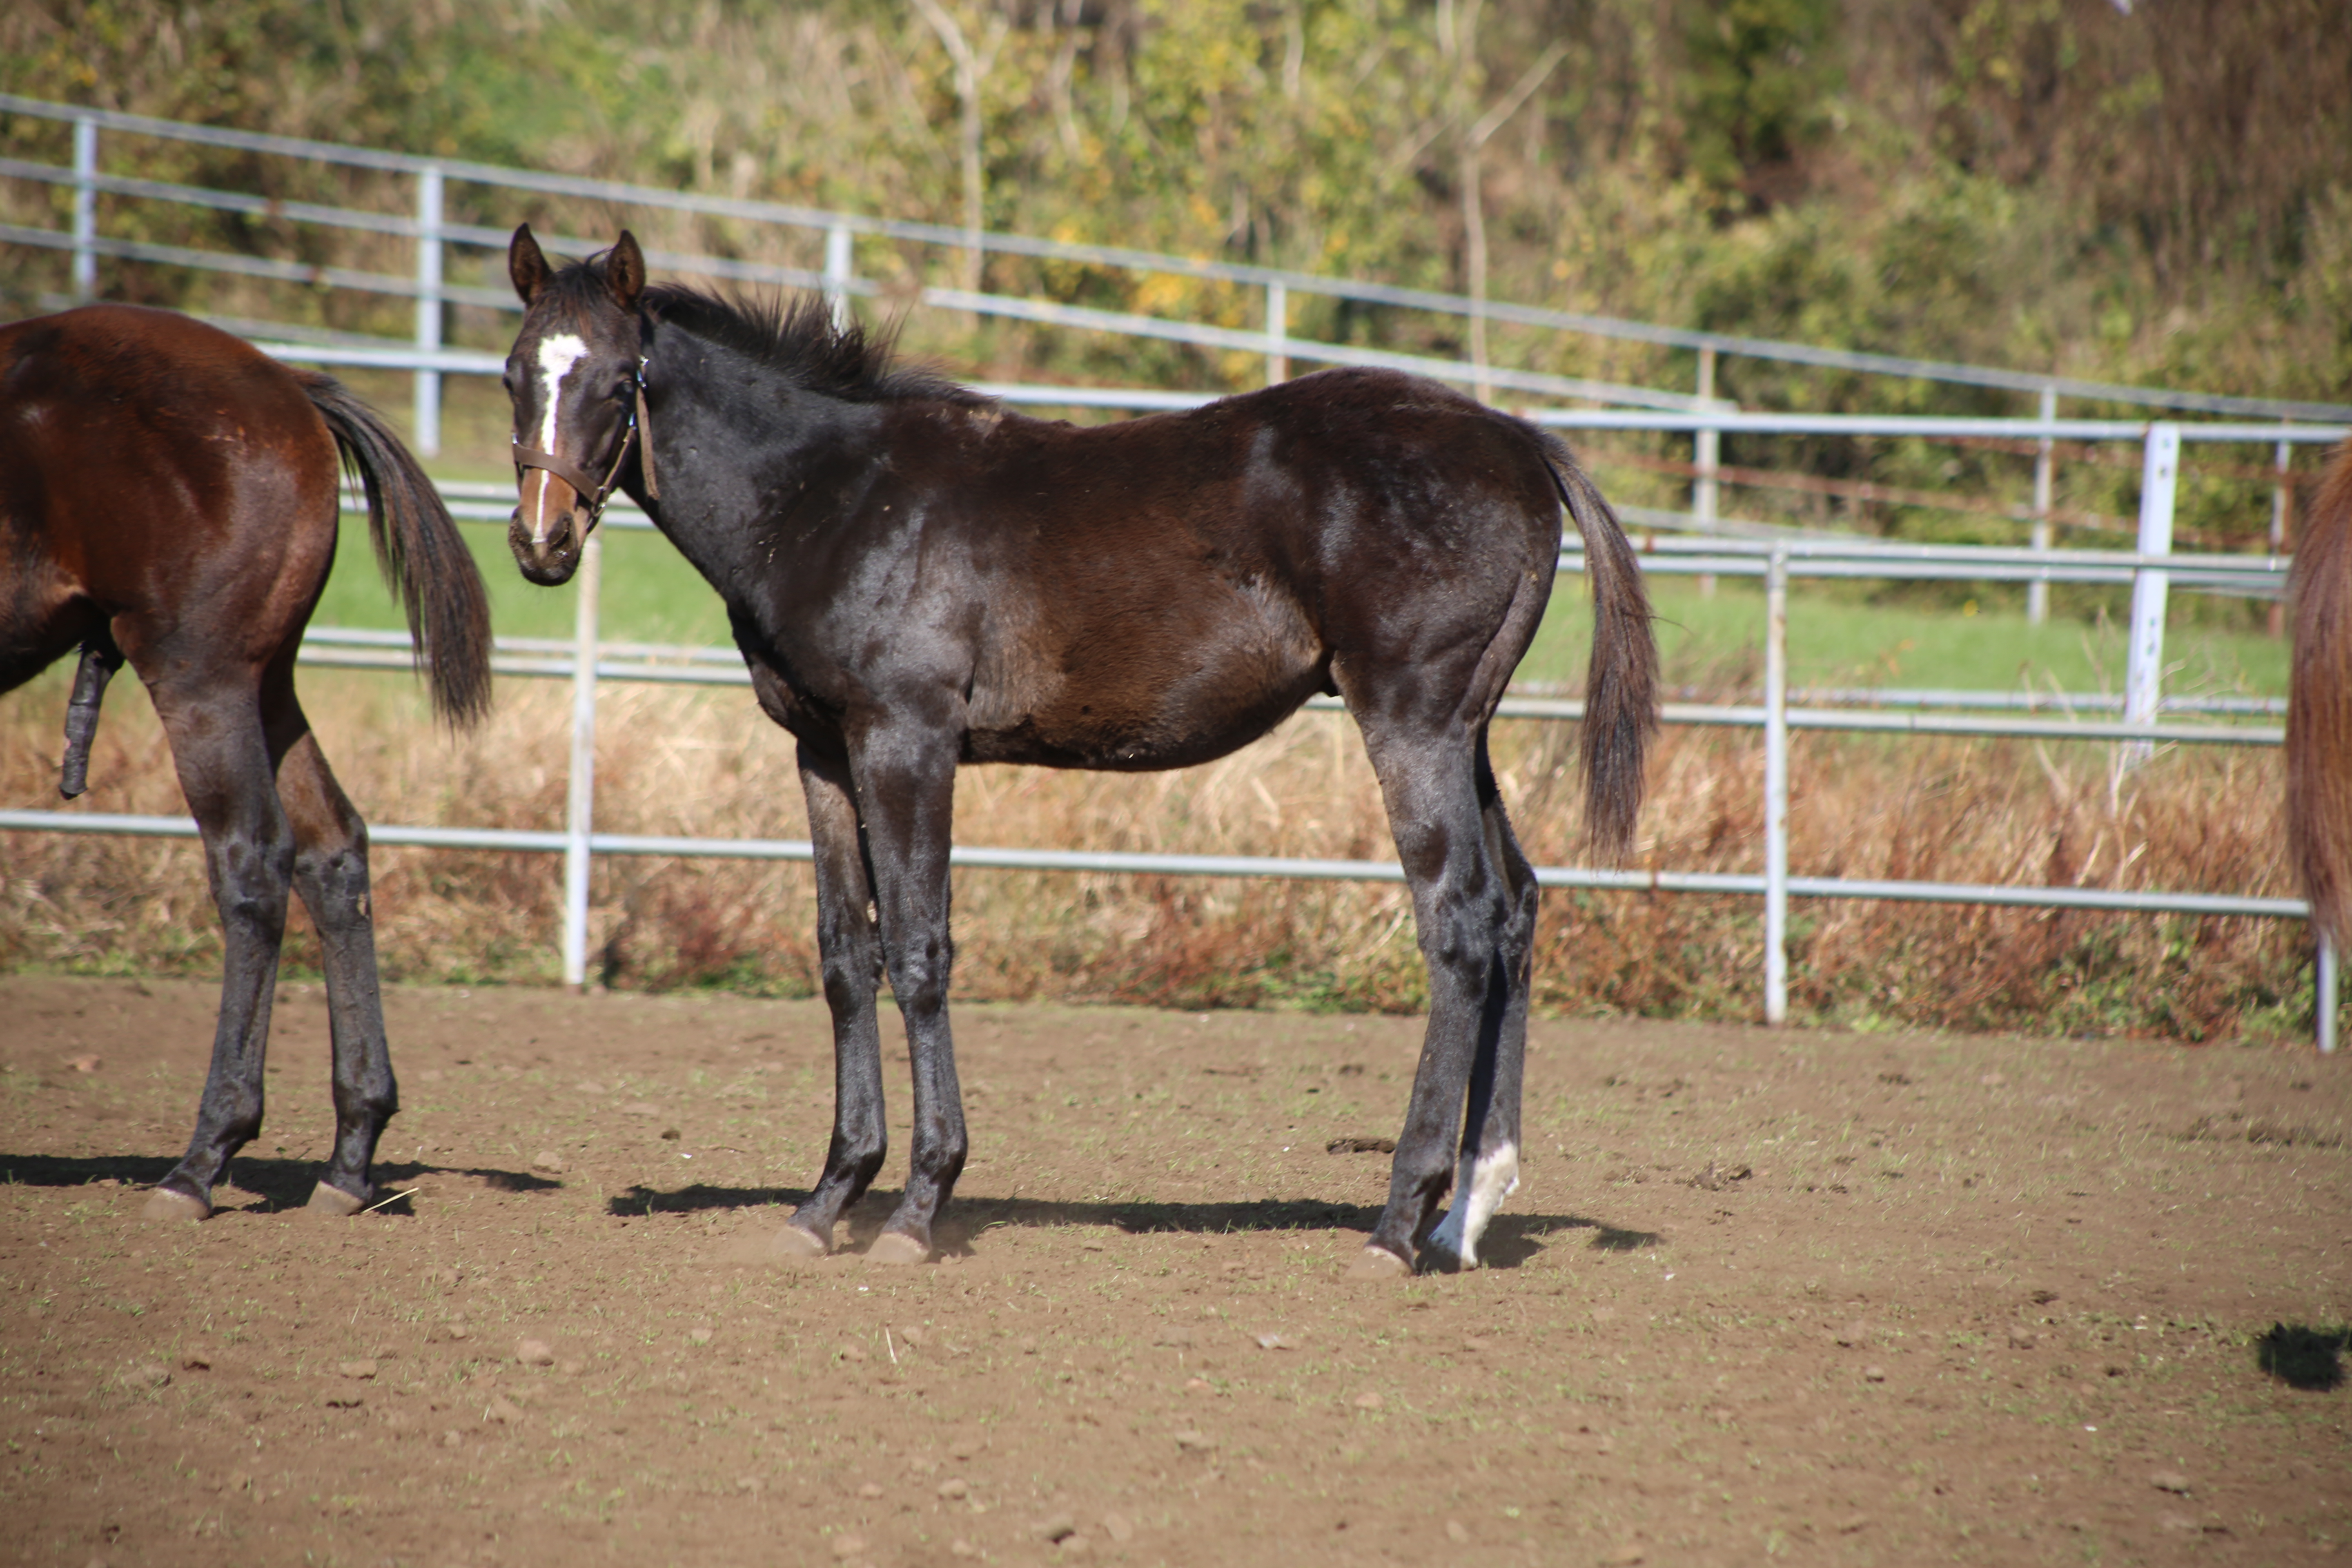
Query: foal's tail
column 1621, row 703
column 2319, row 705
column 421, row 554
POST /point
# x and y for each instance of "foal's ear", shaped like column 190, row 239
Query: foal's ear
column 526, row 264
column 624, row 271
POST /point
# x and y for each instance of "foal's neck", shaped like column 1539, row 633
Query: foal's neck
column 737, row 443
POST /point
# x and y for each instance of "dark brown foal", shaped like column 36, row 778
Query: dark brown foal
column 919, row 579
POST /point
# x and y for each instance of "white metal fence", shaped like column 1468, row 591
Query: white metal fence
column 2151, row 568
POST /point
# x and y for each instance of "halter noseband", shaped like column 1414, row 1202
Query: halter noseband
column 588, row 489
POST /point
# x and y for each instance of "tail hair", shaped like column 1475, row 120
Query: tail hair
column 420, row 553
column 2319, row 705
column 1621, row 684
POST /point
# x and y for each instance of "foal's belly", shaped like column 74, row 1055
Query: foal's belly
column 1135, row 704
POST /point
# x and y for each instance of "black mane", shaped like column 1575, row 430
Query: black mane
column 797, row 336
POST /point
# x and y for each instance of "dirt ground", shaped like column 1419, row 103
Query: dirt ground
column 1820, row 1297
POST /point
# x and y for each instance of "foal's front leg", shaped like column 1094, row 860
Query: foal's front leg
column 850, row 951
column 906, row 799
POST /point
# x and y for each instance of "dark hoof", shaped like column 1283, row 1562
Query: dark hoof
column 794, row 1242
column 333, row 1203
column 896, row 1248
column 168, row 1205
column 1377, row 1262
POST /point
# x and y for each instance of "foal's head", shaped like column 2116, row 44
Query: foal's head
column 572, row 378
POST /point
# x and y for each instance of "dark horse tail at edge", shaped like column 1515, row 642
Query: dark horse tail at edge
column 2319, row 705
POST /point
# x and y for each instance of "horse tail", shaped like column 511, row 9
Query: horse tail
column 1620, row 685
column 2319, row 705
column 420, row 553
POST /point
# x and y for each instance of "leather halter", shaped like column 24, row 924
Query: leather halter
column 586, row 489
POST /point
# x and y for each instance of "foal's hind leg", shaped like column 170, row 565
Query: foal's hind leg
column 850, row 950
column 1463, row 907
column 223, row 765
column 330, row 873
column 1489, row 1166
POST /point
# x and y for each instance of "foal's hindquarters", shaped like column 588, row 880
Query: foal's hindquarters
column 172, row 502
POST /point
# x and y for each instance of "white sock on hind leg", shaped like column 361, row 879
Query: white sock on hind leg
column 1479, row 1188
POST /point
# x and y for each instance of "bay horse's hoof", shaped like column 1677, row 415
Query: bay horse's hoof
column 167, row 1205
column 794, row 1242
column 333, row 1203
column 896, row 1248
column 1377, row 1262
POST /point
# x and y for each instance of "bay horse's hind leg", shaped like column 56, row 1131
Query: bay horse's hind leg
column 223, row 766
column 1489, row 1166
column 1465, row 911
column 330, row 873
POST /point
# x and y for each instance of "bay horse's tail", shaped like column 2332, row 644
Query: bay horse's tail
column 1621, row 701
column 421, row 554
column 2319, row 705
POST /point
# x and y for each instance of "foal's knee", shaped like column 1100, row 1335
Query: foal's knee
column 250, row 878
column 919, row 977
column 334, row 884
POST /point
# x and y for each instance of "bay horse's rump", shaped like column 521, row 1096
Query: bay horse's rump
column 2319, row 704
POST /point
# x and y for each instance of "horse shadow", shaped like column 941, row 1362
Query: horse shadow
column 1510, row 1240
column 281, row 1184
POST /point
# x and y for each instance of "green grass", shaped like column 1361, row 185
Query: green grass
column 1836, row 637
column 1835, row 640
column 649, row 594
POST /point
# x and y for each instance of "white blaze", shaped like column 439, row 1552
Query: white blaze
column 1479, row 1188
column 557, row 355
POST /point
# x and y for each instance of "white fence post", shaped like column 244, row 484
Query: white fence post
column 2324, row 984
column 429, row 308
column 579, row 805
column 2037, row 593
column 2281, row 502
column 838, row 261
column 1706, row 449
column 2144, row 672
column 85, row 207
column 1776, row 786
column 1278, row 331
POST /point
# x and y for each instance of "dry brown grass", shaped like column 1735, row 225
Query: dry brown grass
column 703, row 763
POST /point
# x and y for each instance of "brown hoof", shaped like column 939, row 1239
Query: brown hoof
column 165, row 1207
column 333, row 1203
column 1379, row 1263
column 794, row 1242
column 896, row 1248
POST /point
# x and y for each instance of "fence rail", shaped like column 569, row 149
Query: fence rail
column 586, row 661
column 428, row 227
column 1722, row 549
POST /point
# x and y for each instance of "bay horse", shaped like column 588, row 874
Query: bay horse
column 2319, row 705
column 918, row 578
column 169, row 497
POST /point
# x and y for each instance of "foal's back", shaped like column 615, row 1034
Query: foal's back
column 1155, row 593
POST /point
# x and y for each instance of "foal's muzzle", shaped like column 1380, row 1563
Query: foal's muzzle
column 550, row 559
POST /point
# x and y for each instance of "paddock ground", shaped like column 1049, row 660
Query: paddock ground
column 1802, row 1297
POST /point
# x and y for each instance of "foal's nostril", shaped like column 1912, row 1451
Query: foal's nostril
column 547, row 562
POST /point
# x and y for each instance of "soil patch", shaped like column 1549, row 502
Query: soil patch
column 1845, row 1297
